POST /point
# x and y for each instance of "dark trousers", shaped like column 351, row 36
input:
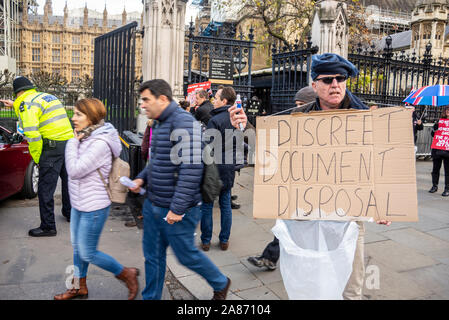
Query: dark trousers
column 51, row 167
column 437, row 161
column 271, row 251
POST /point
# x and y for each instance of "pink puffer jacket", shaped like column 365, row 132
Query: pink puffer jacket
column 82, row 159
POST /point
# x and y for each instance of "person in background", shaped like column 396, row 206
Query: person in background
column 47, row 129
column 145, row 148
column 172, row 208
column 304, row 95
column 440, row 157
column 417, row 125
column 87, row 155
column 270, row 255
column 185, row 105
column 224, row 99
column 204, row 107
column 146, row 141
column 329, row 73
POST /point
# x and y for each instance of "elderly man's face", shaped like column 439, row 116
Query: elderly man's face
column 331, row 95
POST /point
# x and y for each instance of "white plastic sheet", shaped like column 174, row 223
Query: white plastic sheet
column 316, row 257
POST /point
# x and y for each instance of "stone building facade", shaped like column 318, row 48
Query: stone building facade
column 429, row 25
column 65, row 44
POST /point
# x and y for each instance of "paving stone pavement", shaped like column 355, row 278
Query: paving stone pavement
column 412, row 258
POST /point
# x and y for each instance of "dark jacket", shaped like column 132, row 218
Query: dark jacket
column 170, row 185
column 221, row 121
column 202, row 113
column 350, row 101
column 416, row 127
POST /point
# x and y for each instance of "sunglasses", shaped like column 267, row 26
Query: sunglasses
column 329, row 80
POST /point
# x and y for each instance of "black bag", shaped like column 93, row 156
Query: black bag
column 211, row 184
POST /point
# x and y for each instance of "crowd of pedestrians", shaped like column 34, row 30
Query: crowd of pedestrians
column 172, row 178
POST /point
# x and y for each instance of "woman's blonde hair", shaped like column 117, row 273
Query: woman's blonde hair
column 93, row 108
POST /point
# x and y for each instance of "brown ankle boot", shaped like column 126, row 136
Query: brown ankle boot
column 79, row 289
column 129, row 276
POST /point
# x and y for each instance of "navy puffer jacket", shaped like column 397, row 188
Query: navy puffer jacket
column 169, row 184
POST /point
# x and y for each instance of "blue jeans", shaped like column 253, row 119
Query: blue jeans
column 226, row 218
column 158, row 234
column 85, row 231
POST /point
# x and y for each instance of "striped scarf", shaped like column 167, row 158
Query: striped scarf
column 88, row 130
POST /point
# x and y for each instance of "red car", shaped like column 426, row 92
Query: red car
column 18, row 172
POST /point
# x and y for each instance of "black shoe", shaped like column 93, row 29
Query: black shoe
column 445, row 193
column 262, row 262
column 131, row 223
column 270, row 265
column 234, row 197
column 433, row 189
column 256, row 261
column 38, row 232
column 235, row 205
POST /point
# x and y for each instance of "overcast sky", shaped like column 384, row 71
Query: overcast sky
column 113, row 6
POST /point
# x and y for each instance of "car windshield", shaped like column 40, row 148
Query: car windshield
column 3, row 137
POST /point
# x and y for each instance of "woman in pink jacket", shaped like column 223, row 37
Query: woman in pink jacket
column 91, row 151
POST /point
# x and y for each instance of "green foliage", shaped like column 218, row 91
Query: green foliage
column 366, row 82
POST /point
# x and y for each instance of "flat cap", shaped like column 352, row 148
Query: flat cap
column 331, row 63
column 306, row 95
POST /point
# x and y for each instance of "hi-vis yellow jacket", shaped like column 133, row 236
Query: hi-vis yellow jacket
column 42, row 116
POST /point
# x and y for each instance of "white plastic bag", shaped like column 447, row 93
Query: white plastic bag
column 316, row 257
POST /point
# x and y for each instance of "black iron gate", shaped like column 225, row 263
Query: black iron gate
column 114, row 75
column 221, row 44
column 290, row 72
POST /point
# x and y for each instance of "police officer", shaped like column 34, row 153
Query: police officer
column 47, row 128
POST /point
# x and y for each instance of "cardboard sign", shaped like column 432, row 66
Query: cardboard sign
column 441, row 136
column 336, row 165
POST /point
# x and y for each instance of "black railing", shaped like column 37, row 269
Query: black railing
column 290, row 72
column 221, row 44
column 114, row 75
column 387, row 77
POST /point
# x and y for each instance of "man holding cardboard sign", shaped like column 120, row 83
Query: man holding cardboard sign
column 338, row 164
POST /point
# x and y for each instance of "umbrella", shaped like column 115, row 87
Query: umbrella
column 437, row 95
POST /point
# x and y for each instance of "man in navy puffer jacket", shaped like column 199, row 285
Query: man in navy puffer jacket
column 172, row 178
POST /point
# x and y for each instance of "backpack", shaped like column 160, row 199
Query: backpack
column 116, row 191
column 211, row 183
